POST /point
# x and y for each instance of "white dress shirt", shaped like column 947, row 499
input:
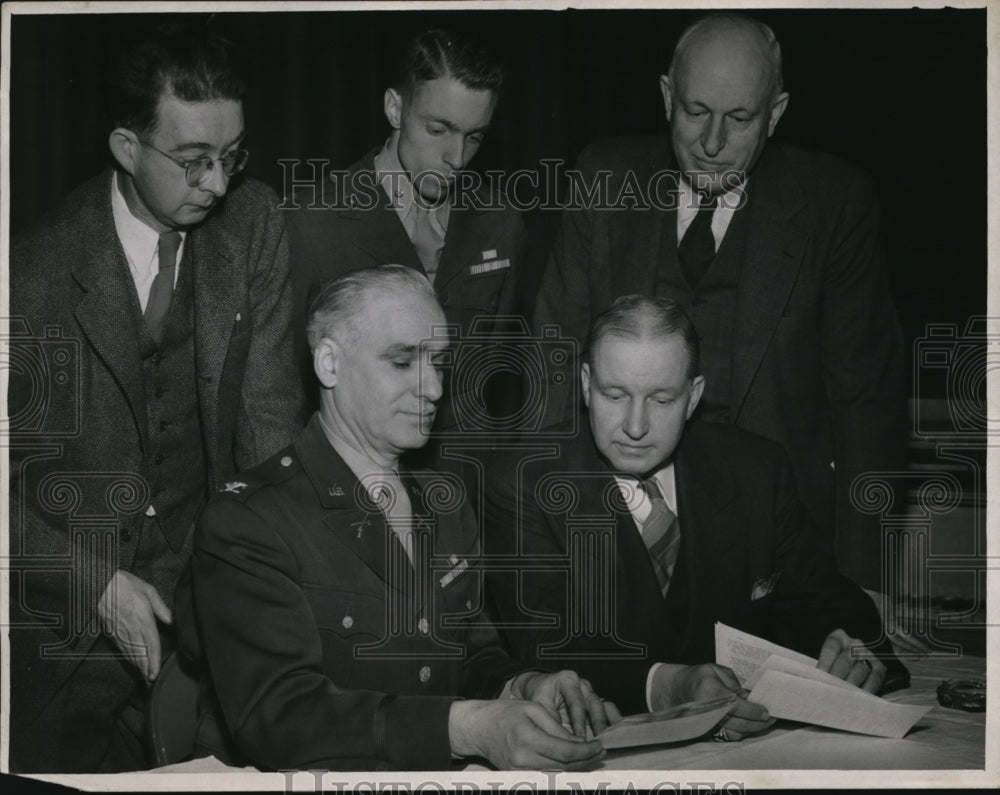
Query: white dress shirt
column 687, row 209
column 139, row 241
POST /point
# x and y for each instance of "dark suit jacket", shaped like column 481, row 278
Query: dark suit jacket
column 79, row 409
column 742, row 528
column 359, row 228
column 817, row 352
column 308, row 623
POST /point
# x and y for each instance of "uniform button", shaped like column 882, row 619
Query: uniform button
column 348, row 622
column 425, row 674
column 423, row 626
column 286, row 461
column 159, row 458
column 125, row 536
column 468, row 604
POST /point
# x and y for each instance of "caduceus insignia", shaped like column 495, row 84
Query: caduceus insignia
column 233, row 487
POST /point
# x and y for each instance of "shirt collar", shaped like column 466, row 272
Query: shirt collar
column 395, row 181
column 138, row 239
column 635, row 496
column 688, row 201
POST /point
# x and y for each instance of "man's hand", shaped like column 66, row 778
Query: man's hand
column 128, row 610
column 567, row 698
column 679, row 684
column 517, row 734
column 849, row 659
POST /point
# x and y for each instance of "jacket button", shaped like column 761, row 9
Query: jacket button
column 286, row 461
column 348, row 622
column 423, row 626
column 425, row 674
column 159, row 458
column 468, row 604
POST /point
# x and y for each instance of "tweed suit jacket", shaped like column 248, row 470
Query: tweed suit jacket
column 477, row 276
column 817, row 356
column 79, row 408
column 327, row 649
column 747, row 558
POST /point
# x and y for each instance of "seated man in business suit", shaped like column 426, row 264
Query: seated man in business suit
column 774, row 251
column 412, row 201
column 669, row 527
column 337, row 593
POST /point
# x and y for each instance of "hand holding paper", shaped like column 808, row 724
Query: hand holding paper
column 795, row 687
column 681, row 684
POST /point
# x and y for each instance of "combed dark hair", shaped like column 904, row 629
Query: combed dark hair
column 436, row 53
column 339, row 300
column 188, row 61
column 643, row 316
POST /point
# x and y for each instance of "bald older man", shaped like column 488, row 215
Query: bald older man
column 773, row 251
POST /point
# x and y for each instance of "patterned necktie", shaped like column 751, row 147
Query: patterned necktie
column 661, row 533
column 697, row 250
column 162, row 291
column 427, row 240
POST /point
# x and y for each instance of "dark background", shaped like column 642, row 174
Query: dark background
column 900, row 92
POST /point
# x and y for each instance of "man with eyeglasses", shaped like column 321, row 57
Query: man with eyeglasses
column 161, row 290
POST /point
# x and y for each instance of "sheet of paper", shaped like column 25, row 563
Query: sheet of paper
column 745, row 653
column 806, row 670
column 810, row 701
column 684, row 722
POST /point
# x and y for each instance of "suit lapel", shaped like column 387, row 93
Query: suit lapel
column 776, row 240
column 381, row 235
column 109, row 297
column 379, row 232
column 646, row 238
column 706, row 496
column 217, row 310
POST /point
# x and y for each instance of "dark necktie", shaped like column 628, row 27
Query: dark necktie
column 426, row 240
column 661, row 533
column 697, row 250
column 162, row 291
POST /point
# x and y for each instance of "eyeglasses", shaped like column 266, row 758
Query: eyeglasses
column 195, row 170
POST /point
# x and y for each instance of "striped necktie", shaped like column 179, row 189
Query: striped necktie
column 661, row 533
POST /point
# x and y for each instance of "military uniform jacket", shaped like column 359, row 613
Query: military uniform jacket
column 347, row 222
column 327, row 649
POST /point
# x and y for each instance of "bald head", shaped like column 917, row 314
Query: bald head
column 723, row 97
column 731, row 44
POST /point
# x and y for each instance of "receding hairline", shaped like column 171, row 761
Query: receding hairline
column 748, row 29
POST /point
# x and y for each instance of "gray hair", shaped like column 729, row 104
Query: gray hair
column 734, row 20
column 646, row 317
column 339, row 301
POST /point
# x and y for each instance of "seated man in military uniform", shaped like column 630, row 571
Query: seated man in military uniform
column 337, row 594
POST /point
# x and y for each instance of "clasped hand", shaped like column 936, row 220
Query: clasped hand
column 526, row 731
